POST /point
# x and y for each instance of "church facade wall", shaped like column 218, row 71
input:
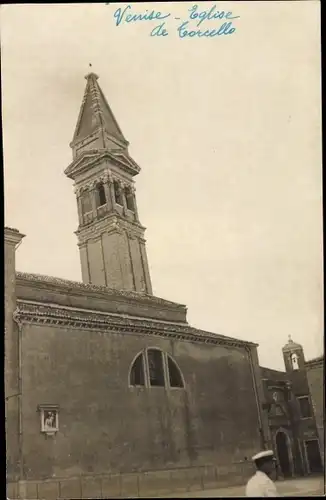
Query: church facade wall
column 106, row 426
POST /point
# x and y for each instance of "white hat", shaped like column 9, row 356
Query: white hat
column 263, row 454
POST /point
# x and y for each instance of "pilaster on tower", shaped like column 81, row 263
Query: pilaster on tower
column 110, row 236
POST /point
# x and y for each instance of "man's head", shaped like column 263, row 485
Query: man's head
column 265, row 462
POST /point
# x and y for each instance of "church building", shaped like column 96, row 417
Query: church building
column 109, row 391
column 293, row 405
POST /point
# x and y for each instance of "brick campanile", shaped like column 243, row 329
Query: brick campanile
column 110, row 237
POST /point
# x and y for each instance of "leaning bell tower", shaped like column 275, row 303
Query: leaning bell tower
column 110, row 237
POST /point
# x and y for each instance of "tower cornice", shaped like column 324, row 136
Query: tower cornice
column 13, row 236
column 110, row 223
column 91, row 158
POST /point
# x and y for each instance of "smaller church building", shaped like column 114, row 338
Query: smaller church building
column 109, row 391
column 294, row 406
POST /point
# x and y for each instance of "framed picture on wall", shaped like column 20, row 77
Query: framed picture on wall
column 49, row 415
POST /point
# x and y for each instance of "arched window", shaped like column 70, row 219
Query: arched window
column 117, row 193
column 100, row 195
column 137, row 372
column 129, row 199
column 86, row 202
column 154, row 368
column 294, row 361
column 174, row 374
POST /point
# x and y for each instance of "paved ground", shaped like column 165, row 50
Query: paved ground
column 313, row 486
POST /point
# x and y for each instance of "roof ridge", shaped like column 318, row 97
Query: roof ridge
column 317, row 358
column 90, row 286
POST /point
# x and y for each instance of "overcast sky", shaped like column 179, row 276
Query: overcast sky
column 227, row 131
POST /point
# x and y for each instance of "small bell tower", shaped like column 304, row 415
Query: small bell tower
column 293, row 356
column 110, row 236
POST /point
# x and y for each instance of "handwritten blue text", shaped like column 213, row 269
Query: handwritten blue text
column 120, row 16
column 221, row 23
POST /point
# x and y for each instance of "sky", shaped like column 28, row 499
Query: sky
column 227, row 131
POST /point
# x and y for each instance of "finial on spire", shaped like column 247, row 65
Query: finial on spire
column 91, row 73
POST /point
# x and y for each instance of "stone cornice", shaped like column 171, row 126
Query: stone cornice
column 13, row 236
column 66, row 286
column 111, row 222
column 38, row 313
column 291, row 346
column 274, row 370
column 91, row 157
column 122, row 158
column 85, row 160
column 319, row 361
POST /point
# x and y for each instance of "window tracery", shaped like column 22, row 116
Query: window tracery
column 155, row 368
column 137, row 376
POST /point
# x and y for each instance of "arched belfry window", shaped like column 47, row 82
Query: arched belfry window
column 117, row 193
column 100, row 195
column 86, row 202
column 294, row 361
column 154, row 368
column 129, row 199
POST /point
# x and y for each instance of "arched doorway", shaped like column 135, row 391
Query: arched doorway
column 284, row 460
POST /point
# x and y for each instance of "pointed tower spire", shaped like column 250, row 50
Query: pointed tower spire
column 96, row 120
